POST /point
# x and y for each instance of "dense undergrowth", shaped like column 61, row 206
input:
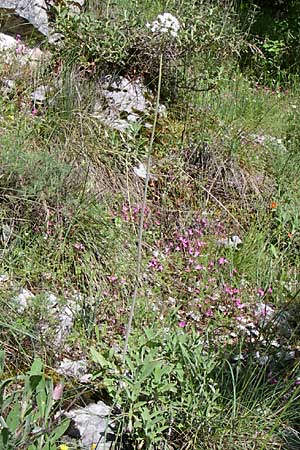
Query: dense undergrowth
column 213, row 356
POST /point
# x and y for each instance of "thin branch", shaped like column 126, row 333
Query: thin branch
column 142, row 218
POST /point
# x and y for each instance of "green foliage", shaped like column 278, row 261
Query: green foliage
column 167, row 389
column 27, row 407
column 274, row 29
column 120, row 42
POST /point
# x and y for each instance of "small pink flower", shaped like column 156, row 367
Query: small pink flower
column 209, row 313
column 34, row 111
column 261, row 292
column 238, row 303
column 222, row 261
column 182, row 324
column 199, row 267
column 21, row 49
column 270, row 290
column 58, row 391
column 79, row 246
column 153, row 263
column 112, row 278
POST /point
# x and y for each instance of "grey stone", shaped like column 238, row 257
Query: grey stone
column 75, row 6
column 7, row 43
column 40, row 94
column 15, row 52
column 74, row 369
column 231, row 242
column 93, row 424
column 23, row 299
column 4, row 278
column 33, row 11
column 121, row 102
column 65, row 319
column 264, row 313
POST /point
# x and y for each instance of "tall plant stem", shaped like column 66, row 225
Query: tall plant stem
column 142, row 218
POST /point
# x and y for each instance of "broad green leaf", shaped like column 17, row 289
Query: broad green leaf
column 14, row 418
column 59, row 431
column 37, row 367
column 98, row 358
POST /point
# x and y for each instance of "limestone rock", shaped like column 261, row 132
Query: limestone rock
column 7, row 43
column 23, row 299
column 92, row 422
column 20, row 13
column 121, row 102
column 74, row 369
column 233, row 242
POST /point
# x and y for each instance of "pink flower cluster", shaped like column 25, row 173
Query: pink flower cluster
column 21, row 48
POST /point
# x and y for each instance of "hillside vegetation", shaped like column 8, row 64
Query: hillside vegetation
column 164, row 255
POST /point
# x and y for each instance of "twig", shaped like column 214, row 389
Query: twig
column 142, row 218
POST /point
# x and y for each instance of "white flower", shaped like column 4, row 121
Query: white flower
column 165, row 23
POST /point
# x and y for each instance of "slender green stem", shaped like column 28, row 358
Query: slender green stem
column 142, row 218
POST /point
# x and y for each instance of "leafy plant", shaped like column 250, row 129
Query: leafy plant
column 27, row 407
column 167, row 389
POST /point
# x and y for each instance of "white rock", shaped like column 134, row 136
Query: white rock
column 4, row 278
column 7, row 43
column 65, row 319
column 34, row 11
column 22, row 300
column 264, row 313
column 140, row 171
column 7, row 231
column 75, row 6
column 34, row 57
column 52, row 300
column 93, row 423
column 233, row 242
column 73, row 369
column 8, row 87
column 40, row 94
column 262, row 360
column 125, row 102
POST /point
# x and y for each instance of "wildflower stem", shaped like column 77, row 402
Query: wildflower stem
column 142, row 218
